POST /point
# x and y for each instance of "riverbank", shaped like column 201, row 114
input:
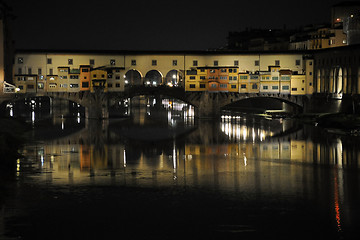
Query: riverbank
column 12, row 136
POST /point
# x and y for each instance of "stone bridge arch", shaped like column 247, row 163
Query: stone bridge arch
column 133, row 77
column 153, row 78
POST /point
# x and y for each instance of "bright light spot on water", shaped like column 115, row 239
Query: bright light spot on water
column 124, row 158
column 18, row 165
column 32, row 116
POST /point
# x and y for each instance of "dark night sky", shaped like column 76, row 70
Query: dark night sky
column 153, row 25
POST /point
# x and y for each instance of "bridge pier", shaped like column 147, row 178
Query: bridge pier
column 97, row 106
column 209, row 106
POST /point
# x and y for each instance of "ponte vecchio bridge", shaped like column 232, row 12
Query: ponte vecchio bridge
column 330, row 74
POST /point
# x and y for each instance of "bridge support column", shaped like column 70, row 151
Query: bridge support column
column 209, row 106
column 97, row 107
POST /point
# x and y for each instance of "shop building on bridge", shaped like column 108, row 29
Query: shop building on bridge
column 213, row 71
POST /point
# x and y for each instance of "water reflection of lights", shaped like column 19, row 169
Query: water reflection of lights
column 78, row 119
column 32, row 116
column 124, row 158
column 235, row 128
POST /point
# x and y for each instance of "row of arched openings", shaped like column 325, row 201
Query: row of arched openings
column 154, row 78
column 337, row 80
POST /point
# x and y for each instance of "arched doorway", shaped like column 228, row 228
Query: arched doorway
column 332, row 82
column 345, row 82
column 173, row 78
column 339, row 80
column 153, row 78
column 133, row 77
column 318, row 81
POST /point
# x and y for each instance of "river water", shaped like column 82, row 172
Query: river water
column 161, row 174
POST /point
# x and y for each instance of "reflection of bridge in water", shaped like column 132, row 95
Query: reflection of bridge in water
column 216, row 146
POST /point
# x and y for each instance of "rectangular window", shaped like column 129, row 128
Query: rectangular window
column 85, row 70
column 19, row 70
column 49, row 61
column 74, row 85
column 297, row 62
column 243, row 86
column 29, row 71
column 92, row 61
column 20, row 60
column 265, row 87
column 133, row 62
column 109, row 85
column 117, row 85
column 112, row 62
column 154, row 62
column 285, row 87
column 85, row 84
column 30, row 86
column 216, row 63
column 275, row 87
column 51, row 71
column 257, row 63
column 275, row 78
column 236, row 62
column 202, row 85
column 277, row 62
column 233, row 86
column 39, row 71
column 70, row 61
column 293, row 89
column 202, row 77
column 254, row 86
column 195, row 63
column 174, row 62
column 192, row 85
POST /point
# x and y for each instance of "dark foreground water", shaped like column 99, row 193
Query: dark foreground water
column 163, row 175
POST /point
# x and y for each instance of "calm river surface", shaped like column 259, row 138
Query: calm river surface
column 161, row 174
